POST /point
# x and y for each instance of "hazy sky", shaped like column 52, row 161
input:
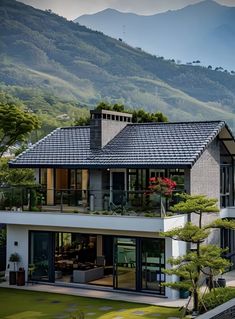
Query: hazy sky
column 71, row 9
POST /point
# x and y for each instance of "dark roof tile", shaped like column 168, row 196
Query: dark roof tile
column 137, row 145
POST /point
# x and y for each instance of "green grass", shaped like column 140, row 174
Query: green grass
column 22, row 304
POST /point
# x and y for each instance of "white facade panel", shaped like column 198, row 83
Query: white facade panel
column 114, row 223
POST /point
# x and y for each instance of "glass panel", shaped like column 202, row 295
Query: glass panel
column 40, row 256
column 75, row 257
column 72, row 179
column 226, row 196
column 118, row 184
column 125, row 263
column 153, row 261
column 157, row 173
column 75, row 196
column 177, row 175
column 43, row 177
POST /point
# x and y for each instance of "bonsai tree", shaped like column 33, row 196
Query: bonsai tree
column 15, row 259
column 203, row 259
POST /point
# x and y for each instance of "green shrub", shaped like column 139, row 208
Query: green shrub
column 217, row 297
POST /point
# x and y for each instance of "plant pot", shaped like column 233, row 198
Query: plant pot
column 12, row 278
column 221, row 282
column 20, row 281
column 184, row 293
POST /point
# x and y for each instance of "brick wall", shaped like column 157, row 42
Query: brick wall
column 205, row 180
column 205, row 174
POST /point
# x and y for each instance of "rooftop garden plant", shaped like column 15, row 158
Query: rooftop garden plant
column 163, row 187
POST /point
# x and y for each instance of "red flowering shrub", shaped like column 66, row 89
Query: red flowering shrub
column 161, row 185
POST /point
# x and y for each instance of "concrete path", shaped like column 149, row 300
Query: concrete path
column 103, row 294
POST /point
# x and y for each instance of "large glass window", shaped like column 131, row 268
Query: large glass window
column 125, row 263
column 43, row 177
column 78, row 180
column 177, row 175
column 136, row 187
column 226, row 193
column 122, row 262
column 153, row 262
column 139, row 264
column 75, row 254
column 41, row 256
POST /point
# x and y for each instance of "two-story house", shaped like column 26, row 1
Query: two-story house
column 96, row 224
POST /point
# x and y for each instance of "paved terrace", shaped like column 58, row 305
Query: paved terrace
column 107, row 293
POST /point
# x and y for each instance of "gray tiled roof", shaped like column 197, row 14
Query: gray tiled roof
column 158, row 145
column 137, row 145
column 61, row 147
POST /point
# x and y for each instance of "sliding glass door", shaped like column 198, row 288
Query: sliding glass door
column 153, row 263
column 125, row 263
column 139, row 264
column 41, row 257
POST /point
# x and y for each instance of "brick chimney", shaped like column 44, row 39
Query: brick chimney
column 105, row 125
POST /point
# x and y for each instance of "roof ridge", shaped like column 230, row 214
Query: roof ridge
column 209, row 139
column 74, row 127
column 183, row 122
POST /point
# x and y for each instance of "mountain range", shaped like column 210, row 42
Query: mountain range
column 202, row 32
column 55, row 66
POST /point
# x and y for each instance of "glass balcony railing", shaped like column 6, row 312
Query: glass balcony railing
column 106, row 201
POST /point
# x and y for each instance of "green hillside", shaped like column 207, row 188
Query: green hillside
column 56, row 66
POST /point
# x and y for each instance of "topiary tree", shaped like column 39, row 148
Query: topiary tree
column 204, row 259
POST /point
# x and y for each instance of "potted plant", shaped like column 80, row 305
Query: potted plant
column 15, row 259
column 163, row 187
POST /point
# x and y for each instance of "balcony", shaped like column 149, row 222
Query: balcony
column 95, row 202
column 137, row 213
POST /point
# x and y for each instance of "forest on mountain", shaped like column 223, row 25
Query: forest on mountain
column 60, row 69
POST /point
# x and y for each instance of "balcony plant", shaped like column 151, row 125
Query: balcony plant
column 163, row 187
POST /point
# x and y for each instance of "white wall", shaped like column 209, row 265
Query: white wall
column 173, row 248
column 93, row 222
column 19, row 235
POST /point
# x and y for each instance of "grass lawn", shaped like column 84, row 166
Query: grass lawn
column 22, row 304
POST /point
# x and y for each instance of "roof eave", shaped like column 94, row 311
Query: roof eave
column 103, row 166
